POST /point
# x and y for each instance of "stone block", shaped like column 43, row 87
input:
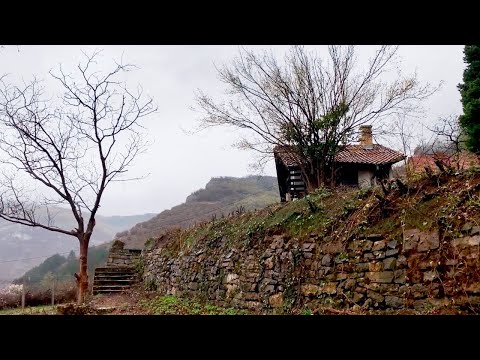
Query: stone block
column 376, row 297
column 252, row 296
column 391, row 252
column 329, row 288
column 394, row 302
column 326, row 260
column 418, row 291
column 401, row 261
column 368, row 256
column 357, row 297
column 380, row 276
column 361, row 267
column 429, row 276
column 466, row 242
column 379, row 245
column 475, row 230
column 308, row 247
column 342, row 276
column 392, row 244
column 428, row 241
column 399, row 276
column 309, row 289
column 269, row 263
column 276, row 300
column 375, row 266
column 389, row 263
column 350, row 284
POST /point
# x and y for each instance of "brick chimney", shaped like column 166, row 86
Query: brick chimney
column 366, row 135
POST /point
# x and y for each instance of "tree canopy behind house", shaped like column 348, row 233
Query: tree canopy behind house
column 470, row 92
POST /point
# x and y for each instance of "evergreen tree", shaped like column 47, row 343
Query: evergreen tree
column 470, row 92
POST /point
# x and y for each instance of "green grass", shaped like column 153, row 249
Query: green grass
column 318, row 212
column 171, row 305
column 340, row 214
column 36, row 310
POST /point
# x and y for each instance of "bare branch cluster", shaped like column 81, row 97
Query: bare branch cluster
column 72, row 148
column 311, row 105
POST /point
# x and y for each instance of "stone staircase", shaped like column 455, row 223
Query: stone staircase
column 119, row 274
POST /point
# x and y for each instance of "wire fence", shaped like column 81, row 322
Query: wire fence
column 57, row 288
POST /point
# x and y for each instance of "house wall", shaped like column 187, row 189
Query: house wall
column 367, row 172
column 365, row 178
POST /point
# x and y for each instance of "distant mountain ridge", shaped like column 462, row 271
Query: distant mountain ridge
column 22, row 247
column 221, row 195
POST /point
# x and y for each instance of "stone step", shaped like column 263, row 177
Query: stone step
column 116, row 272
column 111, row 287
column 113, row 282
column 100, row 291
column 119, row 256
column 115, row 276
column 115, row 269
column 113, row 279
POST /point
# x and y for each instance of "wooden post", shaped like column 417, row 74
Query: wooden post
column 53, row 290
column 23, row 294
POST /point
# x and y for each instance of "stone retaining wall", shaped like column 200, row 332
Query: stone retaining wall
column 374, row 272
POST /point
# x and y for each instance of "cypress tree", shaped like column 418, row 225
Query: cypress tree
column 470, row 92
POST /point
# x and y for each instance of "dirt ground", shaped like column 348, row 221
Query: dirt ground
column 128, row 303
column 122, row 304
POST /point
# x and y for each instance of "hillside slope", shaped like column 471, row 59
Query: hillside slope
column 62, row 268
column 411, row 248
column 220, row 196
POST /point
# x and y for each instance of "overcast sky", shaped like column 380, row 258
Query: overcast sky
column 178, row 163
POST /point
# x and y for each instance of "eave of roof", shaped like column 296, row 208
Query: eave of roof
column 352, row 154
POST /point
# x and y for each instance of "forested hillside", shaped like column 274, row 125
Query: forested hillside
column 221, row 196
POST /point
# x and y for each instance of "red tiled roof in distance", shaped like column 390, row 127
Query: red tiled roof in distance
column 355, row 154
column 464, row 160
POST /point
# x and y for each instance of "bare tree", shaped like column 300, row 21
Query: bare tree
column 309, row 106
column 448, row 143
column 449, row 134
column 445, row 146
column 404, row 134
column 72, row 148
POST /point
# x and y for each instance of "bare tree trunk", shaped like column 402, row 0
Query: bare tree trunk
column 83, row 278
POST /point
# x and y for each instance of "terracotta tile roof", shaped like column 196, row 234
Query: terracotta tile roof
column 375, row 154
column 464, row 160
column 288, row 158
column 418, row 163
column 356, row 154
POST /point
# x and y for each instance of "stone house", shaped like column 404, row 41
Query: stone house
column 362, row 165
